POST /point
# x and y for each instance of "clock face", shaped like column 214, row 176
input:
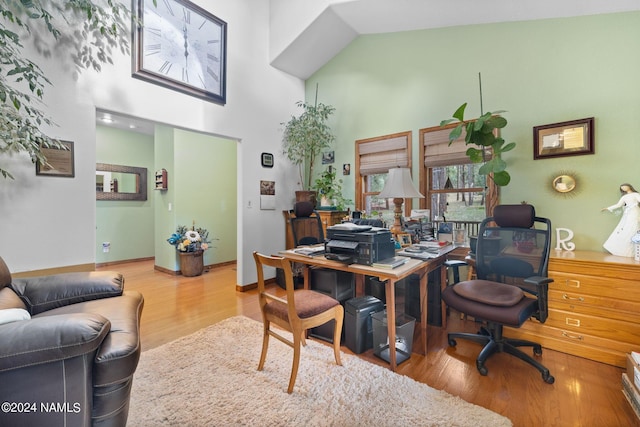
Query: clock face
column 181, row 46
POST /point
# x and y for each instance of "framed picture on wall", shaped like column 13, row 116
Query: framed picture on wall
column 570, row 138
column 60, row 162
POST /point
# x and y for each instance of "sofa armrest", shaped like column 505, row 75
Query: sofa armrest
column 52, row 338
column 44, row 293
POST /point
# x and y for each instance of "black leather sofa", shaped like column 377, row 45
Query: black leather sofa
column 72, row 362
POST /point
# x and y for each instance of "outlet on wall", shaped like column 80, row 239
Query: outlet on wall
column 106, row 246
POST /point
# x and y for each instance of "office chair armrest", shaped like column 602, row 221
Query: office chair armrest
column 538, row 282
column 542, row 287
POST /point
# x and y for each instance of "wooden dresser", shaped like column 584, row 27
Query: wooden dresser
column 328, row 218
column 594, row 307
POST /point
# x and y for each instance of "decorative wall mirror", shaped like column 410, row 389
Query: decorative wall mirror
column 564, row 183
column 116, row 182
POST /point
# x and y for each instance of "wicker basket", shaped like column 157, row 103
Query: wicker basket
column 191, row 263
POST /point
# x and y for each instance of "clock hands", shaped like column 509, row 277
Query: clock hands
column 186, row 52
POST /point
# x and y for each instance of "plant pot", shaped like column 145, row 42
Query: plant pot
column 306, row 196
column 191, row 263
column 325, row 202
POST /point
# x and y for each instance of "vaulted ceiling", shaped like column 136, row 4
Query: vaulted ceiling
column 342, row 21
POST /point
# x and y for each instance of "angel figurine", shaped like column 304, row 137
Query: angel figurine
column 619, row 242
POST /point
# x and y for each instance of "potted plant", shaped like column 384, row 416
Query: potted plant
column 330, row 189
column 483, row 132
column 306, row 136
column 190, row 245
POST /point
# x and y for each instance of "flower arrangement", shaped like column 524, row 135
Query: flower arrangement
column 185, row 240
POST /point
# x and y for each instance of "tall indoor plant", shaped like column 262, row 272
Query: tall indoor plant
column 306, row 136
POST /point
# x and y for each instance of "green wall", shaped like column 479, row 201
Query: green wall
column 202, row 187
column 541, row 72
column 127, row 225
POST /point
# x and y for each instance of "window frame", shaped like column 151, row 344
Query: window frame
column 426, row 173
column 361, row 181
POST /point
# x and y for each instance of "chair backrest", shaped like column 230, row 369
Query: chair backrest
column 306, row 225
column 263, row 261
column 513, row 245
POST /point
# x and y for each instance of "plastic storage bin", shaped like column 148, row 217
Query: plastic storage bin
column 358, row 325
column 405, row 325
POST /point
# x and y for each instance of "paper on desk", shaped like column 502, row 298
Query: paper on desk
column 309, row 250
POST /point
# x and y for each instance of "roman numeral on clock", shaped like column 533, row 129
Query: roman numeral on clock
column 166, row 67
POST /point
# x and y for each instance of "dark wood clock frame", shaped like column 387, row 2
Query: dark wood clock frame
column 139, row 72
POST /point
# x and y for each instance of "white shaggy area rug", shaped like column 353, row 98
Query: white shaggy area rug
column 209, row 378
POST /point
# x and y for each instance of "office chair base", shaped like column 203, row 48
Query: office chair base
column 495, row 343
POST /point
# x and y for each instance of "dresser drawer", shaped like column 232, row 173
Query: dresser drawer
column 612, row 329
column 609, row 308
column 582, row 345
column 591, row 285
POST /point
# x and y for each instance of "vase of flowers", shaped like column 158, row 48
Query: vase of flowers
column 190, row 244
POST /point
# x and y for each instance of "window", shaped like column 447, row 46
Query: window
column 453, row 188
column 374, row 158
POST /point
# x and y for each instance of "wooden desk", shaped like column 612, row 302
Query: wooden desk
column 391, row 277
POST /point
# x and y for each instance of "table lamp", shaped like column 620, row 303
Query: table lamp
column 399, row 186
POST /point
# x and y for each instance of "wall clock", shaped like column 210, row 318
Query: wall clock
column 181, row 46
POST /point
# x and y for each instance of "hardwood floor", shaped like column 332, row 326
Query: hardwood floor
column 585, row 393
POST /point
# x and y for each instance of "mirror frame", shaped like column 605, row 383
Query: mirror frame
column 564, row 176
column 141, row 194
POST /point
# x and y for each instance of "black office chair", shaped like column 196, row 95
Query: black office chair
column 306, row 225
column 512, row 256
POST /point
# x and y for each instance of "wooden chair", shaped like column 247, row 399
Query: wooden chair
column 301, row 310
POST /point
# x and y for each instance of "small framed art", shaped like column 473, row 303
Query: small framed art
column 60, row 162
column 570, row 138
column 267, row 160
column 404, row 239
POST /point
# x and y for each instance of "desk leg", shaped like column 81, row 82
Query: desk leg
column 359, row 285
column 423, row 309
column 305, row 277
column 443, row 285
column 390, row 288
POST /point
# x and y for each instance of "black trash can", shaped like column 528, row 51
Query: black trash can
column 358, row 326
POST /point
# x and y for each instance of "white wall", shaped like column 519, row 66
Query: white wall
column 50, row 222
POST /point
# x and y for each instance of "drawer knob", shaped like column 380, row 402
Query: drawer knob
column 571, row 336
column 567, row 297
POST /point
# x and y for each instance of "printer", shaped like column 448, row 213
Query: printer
column 359, row 244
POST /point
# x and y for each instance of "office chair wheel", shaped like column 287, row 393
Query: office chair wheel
column 537, row 351
column 548, row 378
column 481, row 368
column 452, row 342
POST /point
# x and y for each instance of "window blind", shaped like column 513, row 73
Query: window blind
column 381, row 154
column 438, row 152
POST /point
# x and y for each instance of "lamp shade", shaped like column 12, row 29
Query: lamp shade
column 399, row 185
